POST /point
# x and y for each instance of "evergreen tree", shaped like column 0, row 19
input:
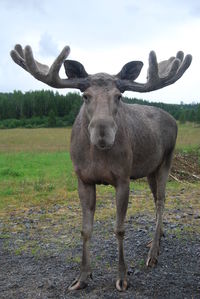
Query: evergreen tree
column 52, row 119
column 43, row 108
column 192, row 116
column 182, row 117
column 198, row 115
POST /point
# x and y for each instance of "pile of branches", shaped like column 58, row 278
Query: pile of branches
column 185, row 167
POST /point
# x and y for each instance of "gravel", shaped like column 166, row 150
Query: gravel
column 177, row 274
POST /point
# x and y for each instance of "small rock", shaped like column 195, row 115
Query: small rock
column 184, row 215
column 173, row 236
column 14, row 285
column 173, row 225
column 130, row 271
column 190, row 214
column 51, row 285
column 142, row 230
column 136, row 272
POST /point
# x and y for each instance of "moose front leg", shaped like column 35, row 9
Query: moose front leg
column 87, row 194
column 122, row 195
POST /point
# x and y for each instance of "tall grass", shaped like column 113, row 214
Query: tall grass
column 35, row 140
column 188, row 138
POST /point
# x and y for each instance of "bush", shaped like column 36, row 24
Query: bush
column 182, row 117
column 28, row 126
column 52, row 119
column 13, row 123
column 35, row 122
column 59, row 123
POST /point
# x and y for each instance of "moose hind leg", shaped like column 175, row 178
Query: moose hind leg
column 160, row 179
column 122, row 195
column 87, row 194
column 153, row 186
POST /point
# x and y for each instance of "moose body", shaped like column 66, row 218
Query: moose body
column 145, row 137
column 113, row 142
column 142, row 146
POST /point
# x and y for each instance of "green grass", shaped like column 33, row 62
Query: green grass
column 30, row 166
column 188, row 138
column 34, row 176
column 35, row 140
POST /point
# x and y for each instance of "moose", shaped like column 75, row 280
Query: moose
column 113, row 142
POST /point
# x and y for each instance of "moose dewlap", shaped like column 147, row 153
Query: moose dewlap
column 113, row 142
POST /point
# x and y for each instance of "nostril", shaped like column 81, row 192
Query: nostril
column 102, row 143
column 102, row 134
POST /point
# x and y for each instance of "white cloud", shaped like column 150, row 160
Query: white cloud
column 47, row 46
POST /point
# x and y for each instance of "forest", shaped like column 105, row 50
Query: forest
column 36, row 109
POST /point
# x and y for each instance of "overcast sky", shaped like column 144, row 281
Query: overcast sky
column 103, row 35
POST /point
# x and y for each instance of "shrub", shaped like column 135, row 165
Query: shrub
column 28, row 126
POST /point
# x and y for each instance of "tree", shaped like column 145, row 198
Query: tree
column 182, row 117
column 35, row 108
column 198, row 115
column 192, row 116
column 52, row 119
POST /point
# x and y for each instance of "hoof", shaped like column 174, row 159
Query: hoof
column 151, row 262
column 77, row 285
column 121, row 285
column 153, row 254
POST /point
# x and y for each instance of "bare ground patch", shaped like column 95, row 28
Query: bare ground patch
column 186, row 166
column 40, row 252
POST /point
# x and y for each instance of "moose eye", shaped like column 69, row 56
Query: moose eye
column 86, row 98
column 118, row 97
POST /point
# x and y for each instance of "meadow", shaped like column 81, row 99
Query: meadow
column 36, row 162
column 188, row 139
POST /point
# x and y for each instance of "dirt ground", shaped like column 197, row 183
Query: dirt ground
column 29, row 275
column 47, row 275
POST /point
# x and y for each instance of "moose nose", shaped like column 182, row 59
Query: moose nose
column 102, row 132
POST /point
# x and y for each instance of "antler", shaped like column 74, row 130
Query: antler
column 159, row 74
column 49, row 75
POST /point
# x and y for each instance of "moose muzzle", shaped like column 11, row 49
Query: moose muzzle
column 102, row 132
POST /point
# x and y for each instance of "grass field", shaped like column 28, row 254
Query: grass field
column 58, row 139
column 39, row 160
column 188, row 137
column 35, row 140
column 36, row 173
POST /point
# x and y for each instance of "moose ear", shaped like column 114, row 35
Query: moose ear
column 74, row 69
column 130, row 71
